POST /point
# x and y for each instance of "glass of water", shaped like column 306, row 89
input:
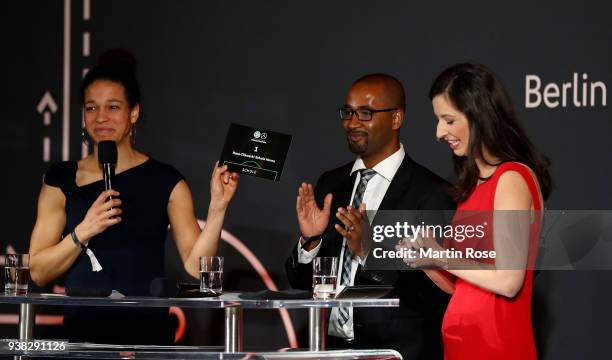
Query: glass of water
column 324, row 275
column 211, row 274
column 16, row 274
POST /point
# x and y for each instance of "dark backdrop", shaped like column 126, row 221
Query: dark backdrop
column 286, row 66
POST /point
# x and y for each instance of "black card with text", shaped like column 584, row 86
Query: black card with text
column 255, row 152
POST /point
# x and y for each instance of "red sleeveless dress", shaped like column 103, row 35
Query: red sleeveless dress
column 479, row 324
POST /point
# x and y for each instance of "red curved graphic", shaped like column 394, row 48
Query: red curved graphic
column 182, row 323
column 263, row 273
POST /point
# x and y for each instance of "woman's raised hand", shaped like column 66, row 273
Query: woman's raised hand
column 101, row 215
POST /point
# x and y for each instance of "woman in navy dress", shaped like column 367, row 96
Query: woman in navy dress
column 126, row 234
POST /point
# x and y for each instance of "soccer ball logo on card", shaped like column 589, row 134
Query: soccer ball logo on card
column 260, row 135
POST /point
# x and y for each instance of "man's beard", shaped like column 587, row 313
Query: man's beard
column 357, row 148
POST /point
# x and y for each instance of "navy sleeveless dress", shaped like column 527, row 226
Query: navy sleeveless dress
column 131, row 253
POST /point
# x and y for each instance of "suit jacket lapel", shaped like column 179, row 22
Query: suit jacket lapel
column 342, row 197
column 399, row 185
column 344, row 190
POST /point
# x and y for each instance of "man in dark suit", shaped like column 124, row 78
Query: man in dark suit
column 383, row 177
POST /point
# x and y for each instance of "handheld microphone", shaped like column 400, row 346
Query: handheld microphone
column 107, row 157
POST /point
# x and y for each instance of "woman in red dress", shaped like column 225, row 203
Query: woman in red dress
column 497, row 168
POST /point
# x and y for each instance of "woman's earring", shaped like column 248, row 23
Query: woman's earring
column 84, row 138
column 133, row 134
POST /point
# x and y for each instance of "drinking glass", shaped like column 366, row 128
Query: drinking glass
column 211, row 274
column 324, row 275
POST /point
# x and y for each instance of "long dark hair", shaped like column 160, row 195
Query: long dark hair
column 494, row 126
column 117, row 65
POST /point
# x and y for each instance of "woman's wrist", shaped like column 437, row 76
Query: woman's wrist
column 217, row 207
column 444, row 262
column 82, row 235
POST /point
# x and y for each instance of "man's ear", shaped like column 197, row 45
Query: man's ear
column 398, row 119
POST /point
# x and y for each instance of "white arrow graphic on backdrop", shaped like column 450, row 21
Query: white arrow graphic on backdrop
column 47, row 106
column 47, row 101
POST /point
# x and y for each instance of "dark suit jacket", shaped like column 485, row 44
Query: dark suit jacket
column 414, row 329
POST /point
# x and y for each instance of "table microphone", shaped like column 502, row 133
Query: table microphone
column 107, row 157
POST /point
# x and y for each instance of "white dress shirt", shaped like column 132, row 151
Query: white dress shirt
column 373, row 196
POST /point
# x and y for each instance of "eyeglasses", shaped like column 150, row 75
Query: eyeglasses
column 347, row 113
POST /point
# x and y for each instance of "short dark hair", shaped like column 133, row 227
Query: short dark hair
column 117, row 65
column 475, row 91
